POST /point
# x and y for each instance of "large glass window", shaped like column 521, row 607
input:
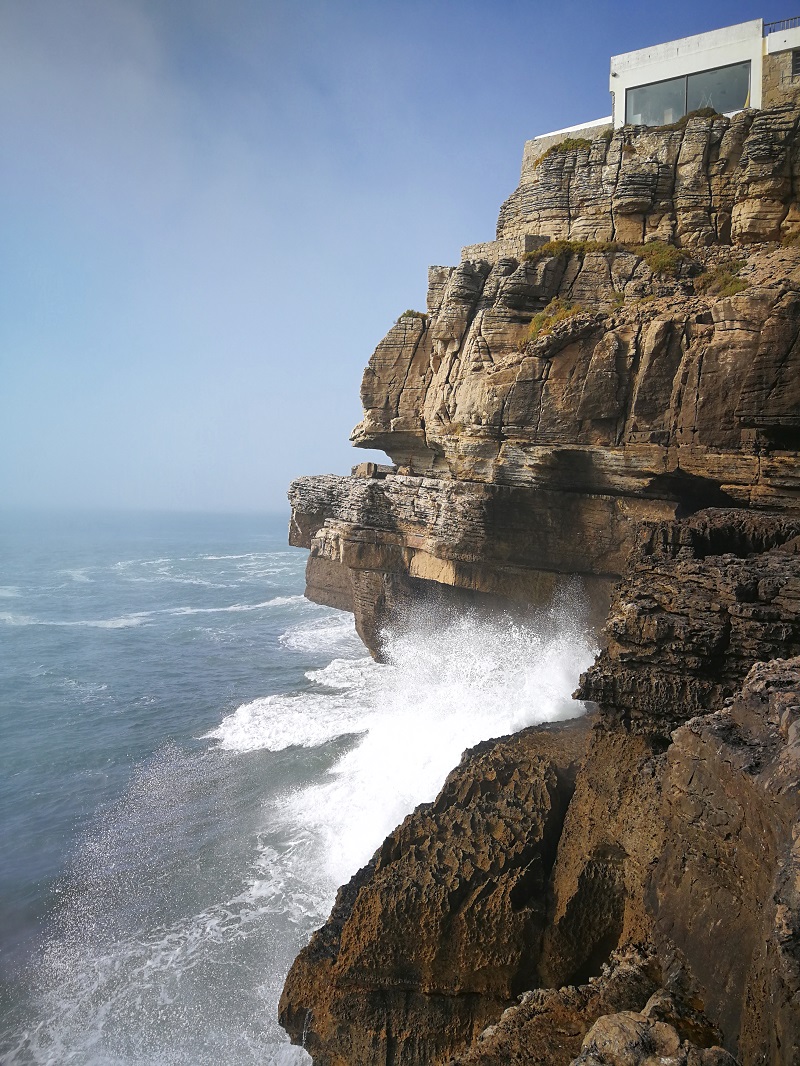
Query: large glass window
column 725, row 89
column 657, row 104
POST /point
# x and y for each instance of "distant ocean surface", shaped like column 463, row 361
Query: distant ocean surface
column 193, row 757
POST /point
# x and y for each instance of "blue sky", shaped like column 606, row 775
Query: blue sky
column 213, row 210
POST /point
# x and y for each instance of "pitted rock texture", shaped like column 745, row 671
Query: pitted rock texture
column 547, row 1027
column 442, row 930
column 706, row 180
column 703, row 600
column 684, row 843
column 725, row 892
column 638, row 1040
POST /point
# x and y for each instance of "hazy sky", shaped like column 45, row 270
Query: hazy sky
column 213, row 210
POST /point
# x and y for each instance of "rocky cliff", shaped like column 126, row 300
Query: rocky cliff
column 610, row 389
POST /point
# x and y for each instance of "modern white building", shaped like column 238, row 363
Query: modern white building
column 751, row 64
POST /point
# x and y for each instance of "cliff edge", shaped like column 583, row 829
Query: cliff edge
column 609, row 389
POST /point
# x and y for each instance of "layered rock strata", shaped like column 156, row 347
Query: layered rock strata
column 616, row 411
column 517, row 457
column 707, row 179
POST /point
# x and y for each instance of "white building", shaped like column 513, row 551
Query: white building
column 752, row 64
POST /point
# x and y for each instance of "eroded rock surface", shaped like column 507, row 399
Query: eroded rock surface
column 706, row 180
column 517, row 461
column 640, row 885
column 442, row 930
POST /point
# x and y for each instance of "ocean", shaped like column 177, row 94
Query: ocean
column 194, row 757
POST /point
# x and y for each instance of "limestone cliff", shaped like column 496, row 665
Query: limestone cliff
column 611, row 389
column 670, row 383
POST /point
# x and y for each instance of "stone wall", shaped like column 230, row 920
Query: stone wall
column 510, row 248
column 535, row 148
column 779, row 87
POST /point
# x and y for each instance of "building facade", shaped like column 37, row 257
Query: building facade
column 751, row 64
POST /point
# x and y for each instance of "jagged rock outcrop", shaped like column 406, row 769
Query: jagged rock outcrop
column 441, row 931
column 669, row 385
column 641, row 888
column 666, row 837
column 706, row 180
column 625, row 1016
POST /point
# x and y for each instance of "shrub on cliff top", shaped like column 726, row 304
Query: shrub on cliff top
column 557, row 310
column 569, row 144
column 662, row 258
column 723, row 279
column 700, row 112
column 412, row 314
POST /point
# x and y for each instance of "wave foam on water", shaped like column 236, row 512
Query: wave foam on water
column 148, row 964
column 443, row 688
column 138, row 618
column 187, row 900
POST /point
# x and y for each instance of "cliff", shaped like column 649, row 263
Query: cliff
column 610, row 389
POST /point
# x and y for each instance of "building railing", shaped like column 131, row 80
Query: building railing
column 779, row 27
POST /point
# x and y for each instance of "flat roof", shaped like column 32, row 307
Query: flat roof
column 699, row 42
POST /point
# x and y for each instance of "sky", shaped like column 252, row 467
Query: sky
column 211, row 211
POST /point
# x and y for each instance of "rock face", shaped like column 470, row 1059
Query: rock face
column 667, row 386
column 703, row 181
column 464, row 881
column 633, row 876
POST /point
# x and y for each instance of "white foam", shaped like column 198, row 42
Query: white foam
column 9, row 619
column 112, row 992
column 332, row 632
column 80, row 576
column 277, row 722
column 9, row 592
column 445, row 688
column 137, row 618
column 123, row 622
column 276, row 601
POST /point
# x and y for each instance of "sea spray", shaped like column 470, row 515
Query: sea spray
column 186, row 897
column 445, row 686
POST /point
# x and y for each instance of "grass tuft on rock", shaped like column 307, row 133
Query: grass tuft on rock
column 557, row 310
column 412, row 314
column 723, row 279
column 569, row 144
column 664, row 260
column 556, row 248
column 700, row 112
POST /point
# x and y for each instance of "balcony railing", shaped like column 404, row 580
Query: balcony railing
column 779, row 27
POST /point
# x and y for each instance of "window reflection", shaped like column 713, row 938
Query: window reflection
column 653, row 105
column 723, row 88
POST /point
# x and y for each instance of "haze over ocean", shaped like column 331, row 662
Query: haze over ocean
column 212, row 212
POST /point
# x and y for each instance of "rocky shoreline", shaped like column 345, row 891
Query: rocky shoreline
column 622, row 403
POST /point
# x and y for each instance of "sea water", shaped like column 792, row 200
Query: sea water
column 194, row 757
